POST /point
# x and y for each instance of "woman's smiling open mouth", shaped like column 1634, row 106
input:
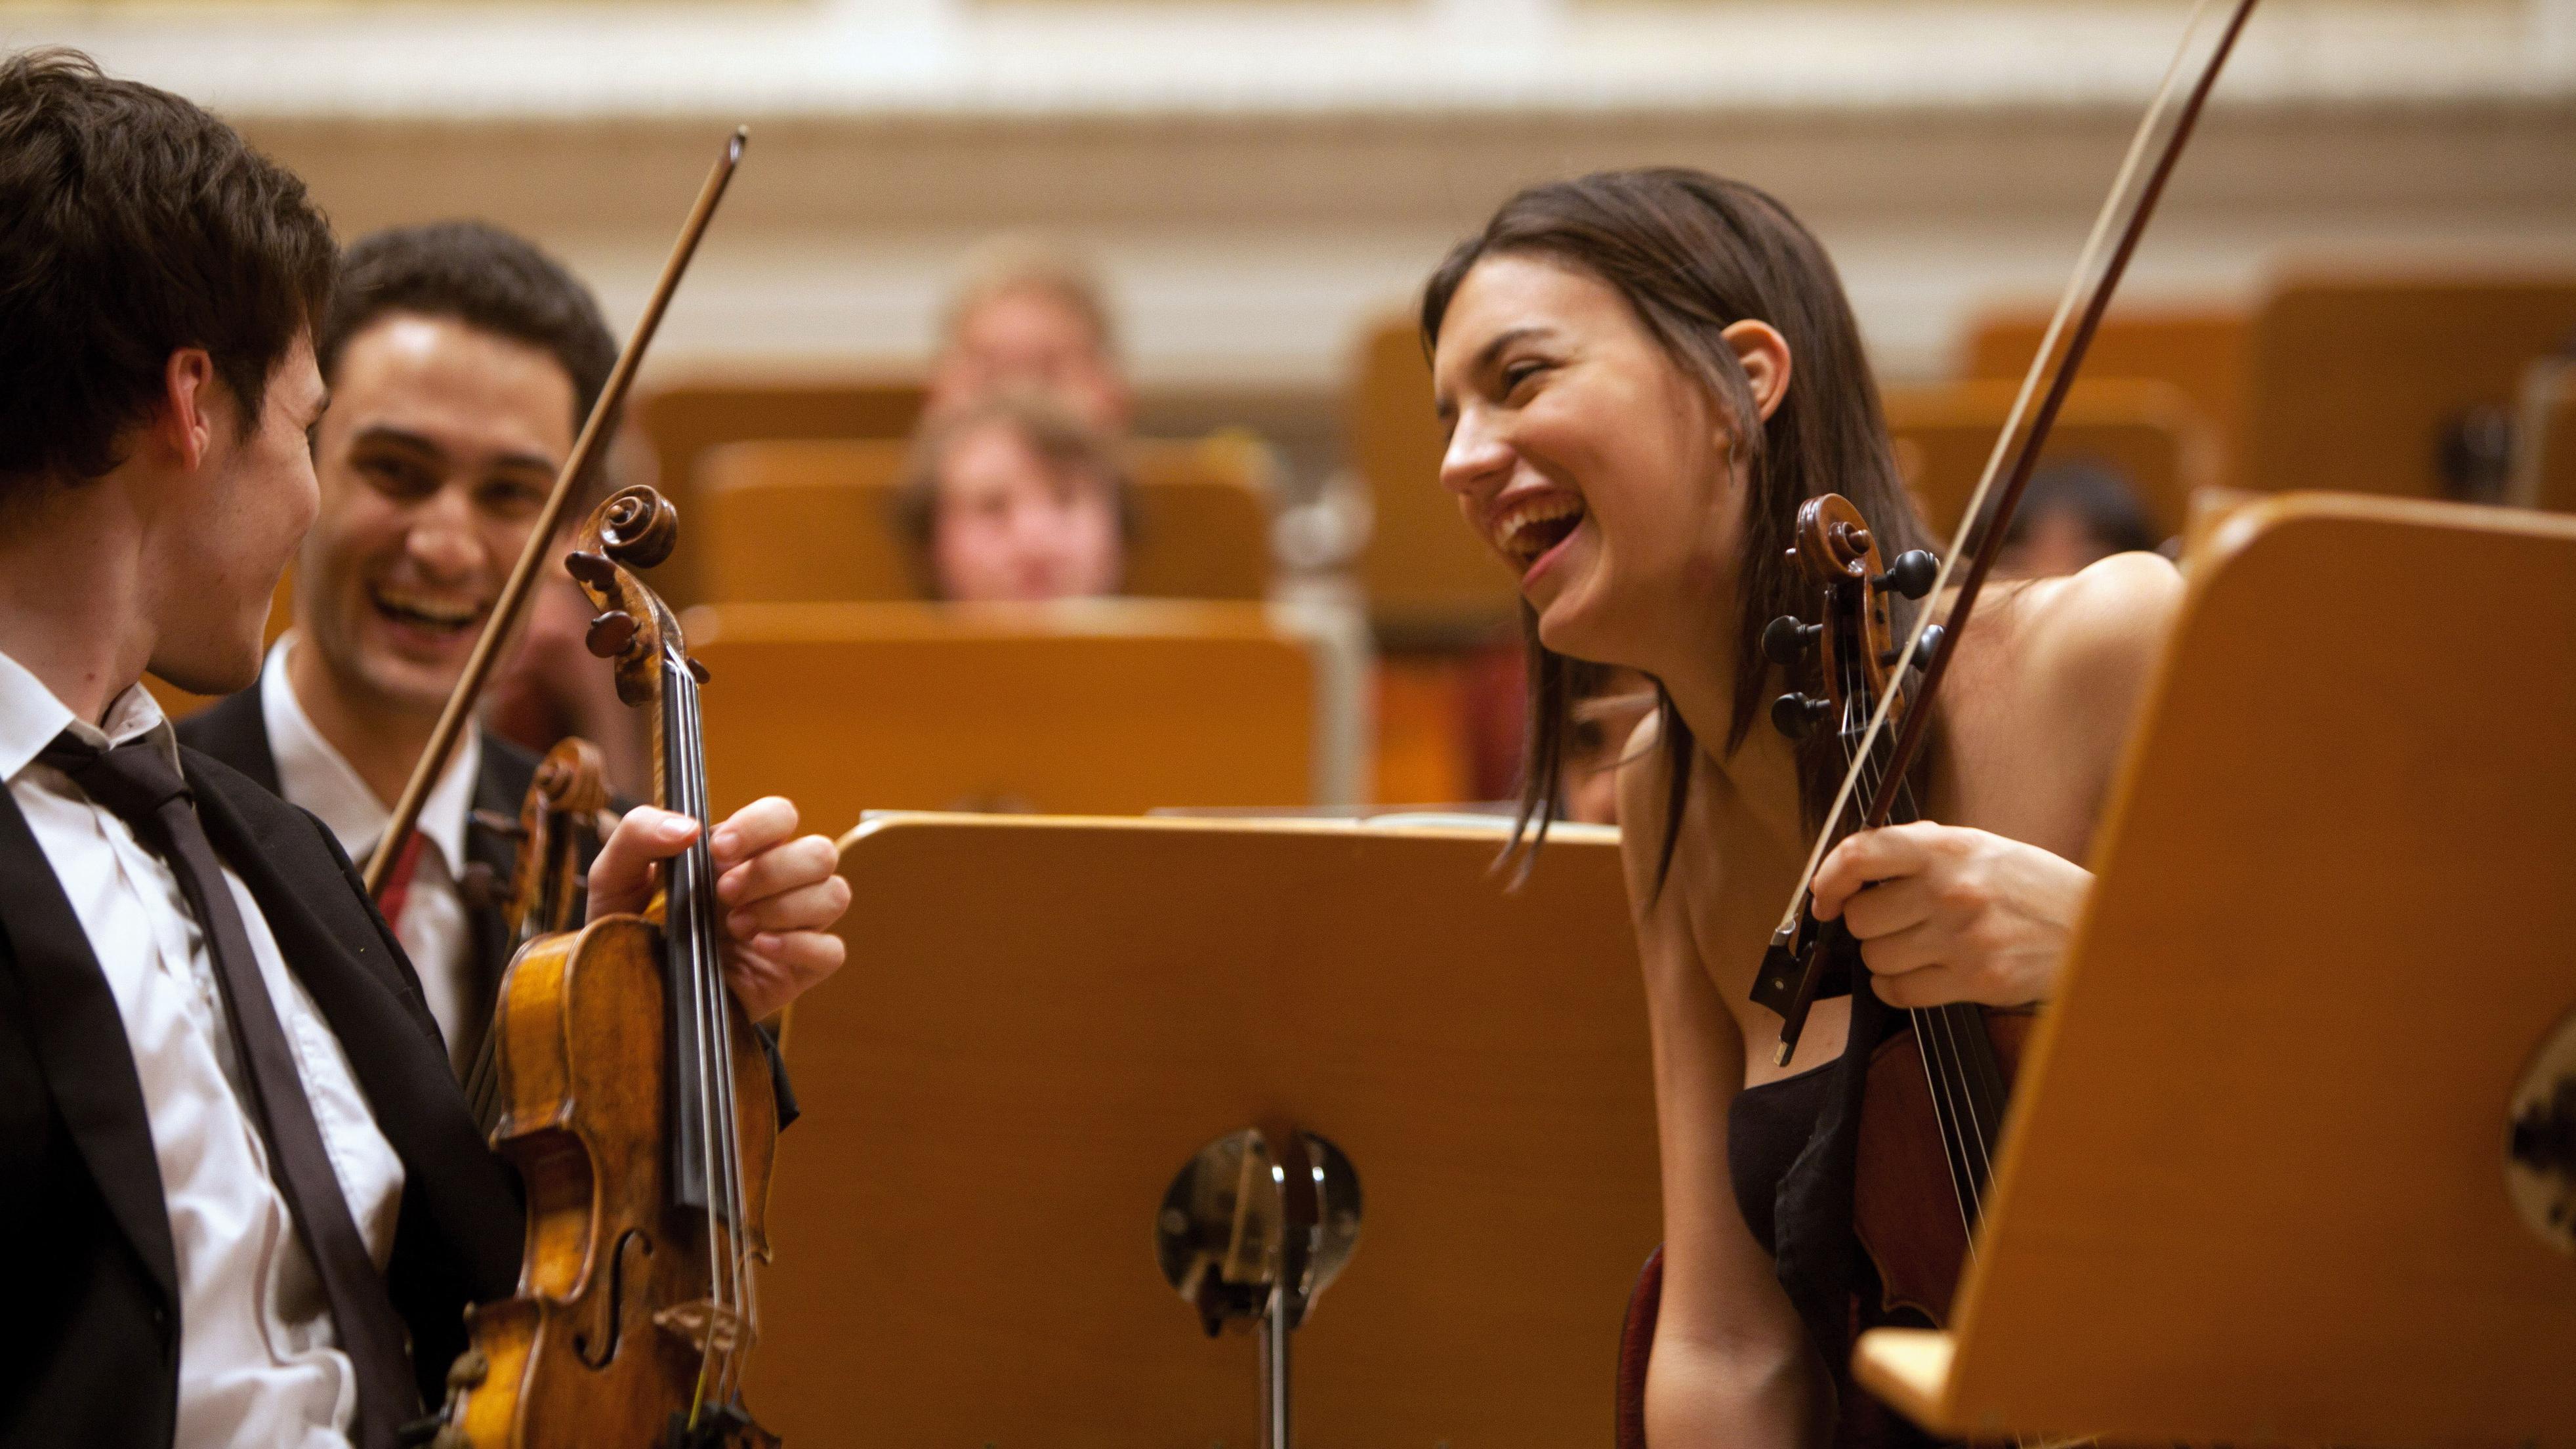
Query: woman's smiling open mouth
column 1530, row 528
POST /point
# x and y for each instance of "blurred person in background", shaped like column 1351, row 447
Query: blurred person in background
column 1014, row 498
column 461, row 362
column 1032, row 315
column 2074, row 516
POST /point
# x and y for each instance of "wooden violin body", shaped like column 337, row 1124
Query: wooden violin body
column 1903, row 1211
column 636, row 1102
column 604, row 1343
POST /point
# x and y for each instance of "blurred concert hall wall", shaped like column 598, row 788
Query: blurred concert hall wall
column 1260, row 180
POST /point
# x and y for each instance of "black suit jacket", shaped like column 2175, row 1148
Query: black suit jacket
column 89, row 1343
column 234, row 731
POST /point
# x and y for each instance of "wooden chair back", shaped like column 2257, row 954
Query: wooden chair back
column 2200, row 351
column 814, row 522
column 2357, row 384
column 1429, row 578
column 2544, row 438
column 683, row 419
column 2145, row 431
column 1108, row 707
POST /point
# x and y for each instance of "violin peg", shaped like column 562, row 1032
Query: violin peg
column 1923, row 649
column 697, row 671
column 1911, row 575
column 593, row 569
column 479, row 887
column 1797, row 715
column 610, row 633
column 1787, row 642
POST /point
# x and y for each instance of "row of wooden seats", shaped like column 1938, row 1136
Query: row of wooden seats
column 2544, row 474
column 1107, row 707
column 2346, row 383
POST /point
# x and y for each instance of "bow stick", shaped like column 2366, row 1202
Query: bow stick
column 514, row 593
column 2024, row 459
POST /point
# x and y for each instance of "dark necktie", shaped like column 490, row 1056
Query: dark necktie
column 136, row 781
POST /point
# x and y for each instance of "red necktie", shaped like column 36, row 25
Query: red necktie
column 398, row 884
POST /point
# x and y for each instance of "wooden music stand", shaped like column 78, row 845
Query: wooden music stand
column 1041, row 1021
column 2253, row 1189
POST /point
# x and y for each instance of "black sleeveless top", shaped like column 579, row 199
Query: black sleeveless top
column 1791, row 1150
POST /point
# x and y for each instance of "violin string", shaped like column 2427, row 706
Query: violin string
column 2119, row 202
column 716, row 1001
column 1936, row 1079
column 745, row 1292
column 684, row 929
column 1947, row 1078
column 724, row 1192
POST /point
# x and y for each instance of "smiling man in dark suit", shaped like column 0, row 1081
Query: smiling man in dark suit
column 461, row 361
column 248, row 1201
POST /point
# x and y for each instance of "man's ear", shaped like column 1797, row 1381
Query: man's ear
column 192, row 405
column 1764, row 354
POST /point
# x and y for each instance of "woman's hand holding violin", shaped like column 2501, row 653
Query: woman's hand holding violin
column 1947, row 914
column 777, row 891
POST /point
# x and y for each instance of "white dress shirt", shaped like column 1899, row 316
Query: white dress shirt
column 259, row 1358
column 435, row 930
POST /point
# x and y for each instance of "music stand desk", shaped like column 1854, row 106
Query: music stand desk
column 1043, row 1018
column 2253, row 1188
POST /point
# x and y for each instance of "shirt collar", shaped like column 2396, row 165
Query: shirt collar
column 314, row 774
column 31, row 716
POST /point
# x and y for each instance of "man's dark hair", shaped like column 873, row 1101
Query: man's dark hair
column 482, row 276
column 134, row 224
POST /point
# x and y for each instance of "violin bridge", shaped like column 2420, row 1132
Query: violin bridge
column 706, row 1328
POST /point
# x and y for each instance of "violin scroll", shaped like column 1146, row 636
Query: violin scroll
column 635, row 528
column 1853, row 642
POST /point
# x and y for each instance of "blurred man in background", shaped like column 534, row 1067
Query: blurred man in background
column 1014, row 497
column 2073, row 516
column 1032, row 315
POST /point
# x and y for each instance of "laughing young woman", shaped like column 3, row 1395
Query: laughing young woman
column 1643, row 374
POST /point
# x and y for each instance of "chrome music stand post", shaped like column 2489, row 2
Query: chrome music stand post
column 1253, row 1229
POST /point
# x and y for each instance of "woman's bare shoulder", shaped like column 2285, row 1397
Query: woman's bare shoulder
column 2101, row 628
column 2087, row 644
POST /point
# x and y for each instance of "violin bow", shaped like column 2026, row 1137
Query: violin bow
column 2024, row 457
column 514, row 593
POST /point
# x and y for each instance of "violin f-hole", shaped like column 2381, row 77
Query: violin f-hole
column 614, row 1310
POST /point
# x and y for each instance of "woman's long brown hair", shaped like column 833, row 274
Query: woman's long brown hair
column 1694, row 254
